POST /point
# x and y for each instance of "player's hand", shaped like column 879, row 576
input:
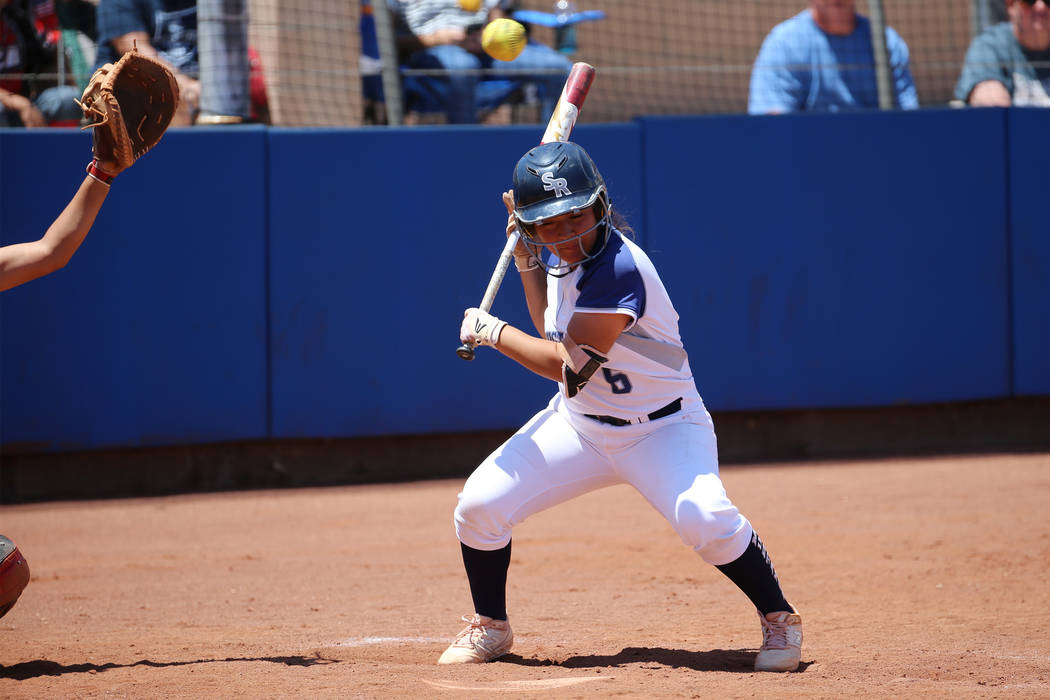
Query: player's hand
column 480, row 328
column 189, row 100
column 472, row 42
column 27, row 111
column 448, row 35
column 523, row 259
column 189, row 90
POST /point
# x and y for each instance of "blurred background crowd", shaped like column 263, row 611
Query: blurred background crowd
column 378, row 62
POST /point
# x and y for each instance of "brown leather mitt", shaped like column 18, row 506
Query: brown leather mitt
column 129, row 105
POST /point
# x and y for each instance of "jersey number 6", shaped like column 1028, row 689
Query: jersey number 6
column 617, row 380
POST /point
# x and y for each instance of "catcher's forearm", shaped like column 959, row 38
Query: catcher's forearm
column 22, row 262
column 71, row 227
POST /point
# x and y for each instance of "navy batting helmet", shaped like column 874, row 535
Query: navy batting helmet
column 554, row 179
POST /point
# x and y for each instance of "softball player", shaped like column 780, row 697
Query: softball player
column 627, row 409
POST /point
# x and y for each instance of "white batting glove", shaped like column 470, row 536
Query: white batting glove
column 480, row 328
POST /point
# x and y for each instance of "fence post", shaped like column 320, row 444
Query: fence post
column 222, row 48
column 388, row 55
column 877, row 19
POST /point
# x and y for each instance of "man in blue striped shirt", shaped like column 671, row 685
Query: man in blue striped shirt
column 822, row 60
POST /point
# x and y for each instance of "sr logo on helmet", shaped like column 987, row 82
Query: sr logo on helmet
column 559, row 184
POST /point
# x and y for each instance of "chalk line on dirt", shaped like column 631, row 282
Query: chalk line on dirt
column 542, row 684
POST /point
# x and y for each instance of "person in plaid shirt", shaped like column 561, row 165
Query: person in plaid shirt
column 164, row 29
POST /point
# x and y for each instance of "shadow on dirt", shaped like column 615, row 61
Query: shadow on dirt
column 726, row 660
column 43, row 667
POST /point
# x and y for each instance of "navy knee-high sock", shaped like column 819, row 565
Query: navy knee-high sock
column 487, row 575
column 753, row 573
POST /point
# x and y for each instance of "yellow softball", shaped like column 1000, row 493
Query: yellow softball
column 503, row 39
column 470, row 5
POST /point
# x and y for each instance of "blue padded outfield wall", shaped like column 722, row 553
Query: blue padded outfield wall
column 1030, row 229
column 835, row 262
column 253, row 283
column 155, row 333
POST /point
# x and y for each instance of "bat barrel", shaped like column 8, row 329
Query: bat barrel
column 563, row 118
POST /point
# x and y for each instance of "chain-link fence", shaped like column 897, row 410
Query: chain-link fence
column 337, row 62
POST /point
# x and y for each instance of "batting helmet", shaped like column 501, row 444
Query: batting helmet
column 554, row 179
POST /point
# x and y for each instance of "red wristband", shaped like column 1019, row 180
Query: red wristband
column 99, row 174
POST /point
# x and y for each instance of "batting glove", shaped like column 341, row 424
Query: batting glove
column 480, row 328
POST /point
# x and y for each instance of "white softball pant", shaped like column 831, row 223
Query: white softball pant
column 672, row 462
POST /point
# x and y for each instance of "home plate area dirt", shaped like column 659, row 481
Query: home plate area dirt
column 915, row 577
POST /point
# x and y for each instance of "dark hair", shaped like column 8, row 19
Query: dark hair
column 620, row 223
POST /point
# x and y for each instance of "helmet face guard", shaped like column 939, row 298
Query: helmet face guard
column 555, row 179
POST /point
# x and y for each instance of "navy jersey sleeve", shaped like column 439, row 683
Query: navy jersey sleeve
column 613, row 283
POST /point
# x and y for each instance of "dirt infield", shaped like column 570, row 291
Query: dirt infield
column 914, row 577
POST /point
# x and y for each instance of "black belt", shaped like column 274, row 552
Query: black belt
column 668, row 410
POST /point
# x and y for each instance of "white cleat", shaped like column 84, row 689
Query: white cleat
column 781, row 642
column 484, row 640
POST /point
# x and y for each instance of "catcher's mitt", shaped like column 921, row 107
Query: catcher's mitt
column 129, row 104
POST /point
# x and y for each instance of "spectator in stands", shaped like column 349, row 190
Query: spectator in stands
column 28, row 32
column 442, row 34
column 1009, row 63
column 166, row 29
column 822, row 60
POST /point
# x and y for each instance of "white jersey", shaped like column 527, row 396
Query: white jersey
column 648, row 367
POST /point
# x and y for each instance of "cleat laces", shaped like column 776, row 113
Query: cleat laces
column 473, row 637
column 774, row 635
